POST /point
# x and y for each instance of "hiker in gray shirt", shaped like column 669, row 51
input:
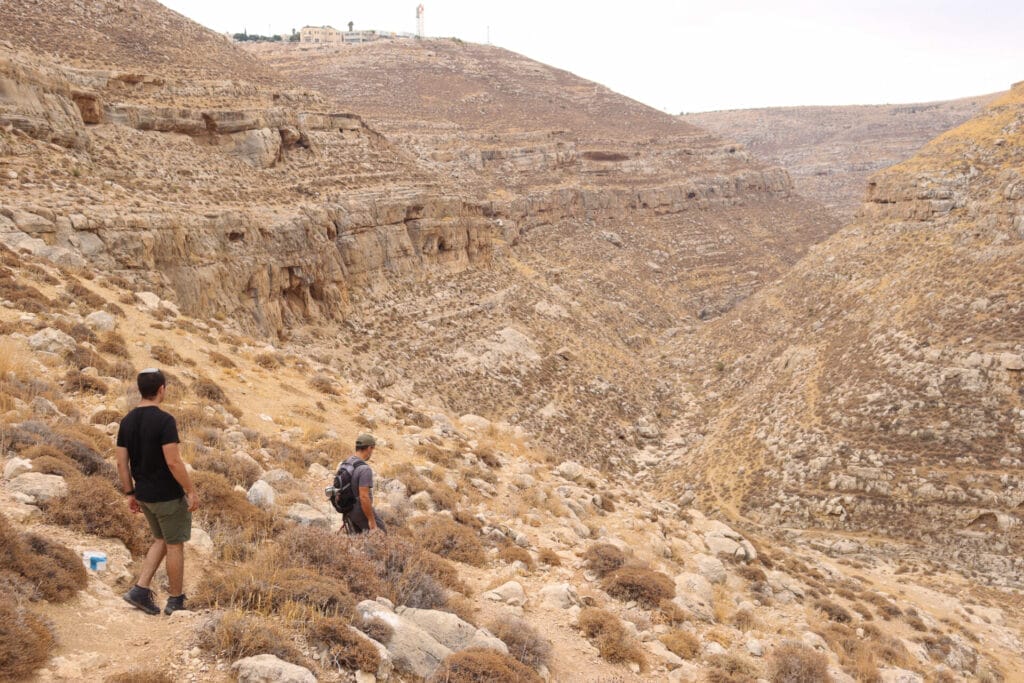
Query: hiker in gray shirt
column 363, row 517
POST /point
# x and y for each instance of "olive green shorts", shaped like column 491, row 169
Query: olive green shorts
column 169, row 520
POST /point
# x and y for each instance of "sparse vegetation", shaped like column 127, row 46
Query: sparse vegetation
column 612, row 640
column 604, row 558
column 510, row 553
column 43, row 567
column 449, row 539
column 793, row 662
column 25, row 640
column 681, row 643
column 235, row 635
column 524, row 641
column 645, row 586
column 94, row 506
column 482, row 666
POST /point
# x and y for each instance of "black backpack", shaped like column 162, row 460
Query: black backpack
column 343, row 495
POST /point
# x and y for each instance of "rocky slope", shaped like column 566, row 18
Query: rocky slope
column 878, row 387
column 832, row 151
column 527, row 546
column 457, row 248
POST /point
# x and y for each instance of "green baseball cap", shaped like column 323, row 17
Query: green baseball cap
column 365, row 441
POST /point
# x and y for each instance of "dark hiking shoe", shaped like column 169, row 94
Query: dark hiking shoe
column 142, row 598
column 175, row 603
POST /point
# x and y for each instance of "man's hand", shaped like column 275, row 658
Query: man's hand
column 193, row 501
column 133, row 504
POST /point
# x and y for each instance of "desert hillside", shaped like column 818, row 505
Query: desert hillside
column 878, row 387
column 832, row 151
column 645, row 414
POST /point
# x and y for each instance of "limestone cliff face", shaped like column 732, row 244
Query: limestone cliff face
column 879, row 386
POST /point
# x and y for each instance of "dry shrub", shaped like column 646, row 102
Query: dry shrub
column 105, row 417
column 445, row 457
column 235, row 635
column 226, row 512
column 604, row 558
column 345, row 648
column 512, row 553
column 124, row 371
column 448, row 538
column 262, row 586
column 524, row 642
column 751, row 573
column 81, row 443
column 669, row 612
column 139, row 676
column 84, row 357
column 77, row 292
column 235, row 470
column 60, row 465
column 833, row 611
column 221, row 360
column 25, row 641
column 324, row 384
column 268, row 361
column 444, row 496
column 645, row 586
column 407, row 474
column 53, row 571
column 113, row 343
column 729, row 668
column 165, row 355
column 78, row 382
column 681, row 643
column 373, row 565
column 489, row 457
column 613, row 641
column 549, row 557
column 204, row 387
column 376, row 628
column 743, row 619
column 793, row 662
column 94, row 506
column 856, row 655
column 477, row 665
column 193, row 418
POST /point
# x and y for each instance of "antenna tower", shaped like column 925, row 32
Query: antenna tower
column 419, row 21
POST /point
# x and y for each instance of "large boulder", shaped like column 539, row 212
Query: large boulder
column 100, row 321
column 413, row 649
column 450, row 630
column 711, row 568
column 307, row 516
column 559, row 595
column 510, row 593
column 52, row 340
column 262, row 495
column 270, row 669
column 694, row 593
column 39, row 487
column 15, row 467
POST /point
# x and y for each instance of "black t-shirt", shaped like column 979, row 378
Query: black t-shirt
column 144, row 432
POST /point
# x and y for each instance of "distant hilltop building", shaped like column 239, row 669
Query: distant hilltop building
column 328, row 35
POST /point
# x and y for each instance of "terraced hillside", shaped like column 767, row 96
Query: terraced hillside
column 878, row 387
column 832, row 151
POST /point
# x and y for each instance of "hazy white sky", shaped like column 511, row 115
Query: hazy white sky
column 699, row 55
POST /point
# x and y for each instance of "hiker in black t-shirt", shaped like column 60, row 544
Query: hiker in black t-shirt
column 157, row 484
column 362, row 517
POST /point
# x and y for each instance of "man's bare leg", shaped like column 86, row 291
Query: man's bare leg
column 176, row 568
column 154, row 557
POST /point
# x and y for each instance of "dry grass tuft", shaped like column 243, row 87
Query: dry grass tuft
column 448, row 538
column 613, row 641
column 549, row 557
column 482, row 666
column 235, row 470
column 25, row 641
column 604, row 558
column 524, row 642
column 226, row 513
column 235, row 635
column 729, row 668
column 221, row 360
column 164, row 355
column 681, row 643
column 263, row 586
column 793, row 662
column 834, row 611
column 324, row 384
column 94, row 506
column 645, row 586
column 510, row 553
column 114, row 344
column 268, row 361
column 81, row 443
column 78, row 382
column 105, row 417
column 204, row 387
column 345, row 648
column 53, row 571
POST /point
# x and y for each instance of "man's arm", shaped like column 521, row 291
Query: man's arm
column 124, row 473
column 180, row 473
column 367, row 506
